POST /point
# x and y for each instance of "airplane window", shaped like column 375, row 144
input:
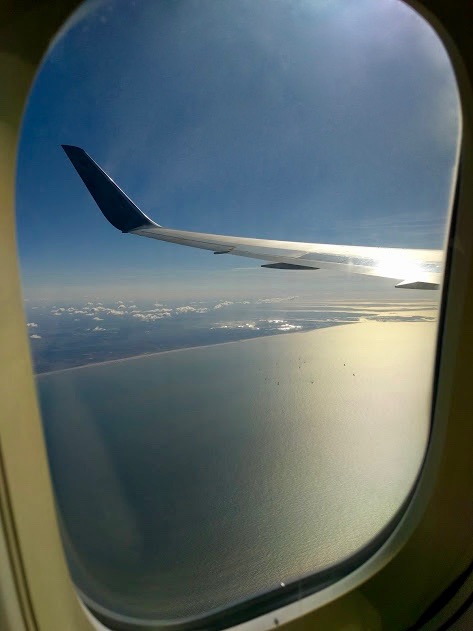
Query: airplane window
column 236, row 407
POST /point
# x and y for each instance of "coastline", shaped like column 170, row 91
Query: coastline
column 218, row 344
column 186, row 348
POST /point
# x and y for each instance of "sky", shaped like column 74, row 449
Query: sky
column 327, row 121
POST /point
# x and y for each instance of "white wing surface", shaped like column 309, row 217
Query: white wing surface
column 412, row 268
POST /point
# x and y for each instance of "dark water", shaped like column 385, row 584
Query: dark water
column 190, row 480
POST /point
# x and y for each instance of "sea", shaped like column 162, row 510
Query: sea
column 190, row 480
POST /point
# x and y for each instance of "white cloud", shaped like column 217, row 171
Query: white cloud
column 191, row 309
column 237, row 325
column 32, row 325
column 98, row 319
column 265, row 325
column 149, row 317
column 225, row 303
column 289, row 327
column 98, row 328
column 35, row 337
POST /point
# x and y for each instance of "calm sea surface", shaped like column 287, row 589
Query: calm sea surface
column 190, row 480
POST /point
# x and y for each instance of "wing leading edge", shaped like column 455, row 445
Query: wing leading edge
column 415, row 269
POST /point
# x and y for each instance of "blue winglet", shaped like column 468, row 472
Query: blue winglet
column 120, row 211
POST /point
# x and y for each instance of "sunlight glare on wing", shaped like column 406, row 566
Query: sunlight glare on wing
column 399, row 265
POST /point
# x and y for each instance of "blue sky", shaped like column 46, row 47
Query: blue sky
column 330, row 121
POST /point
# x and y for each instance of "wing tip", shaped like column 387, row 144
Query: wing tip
column 72, row 150
column 115, row 205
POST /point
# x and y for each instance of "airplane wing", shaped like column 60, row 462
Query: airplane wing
column 412, row 268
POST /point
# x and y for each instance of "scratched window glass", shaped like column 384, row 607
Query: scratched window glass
column 231, row 220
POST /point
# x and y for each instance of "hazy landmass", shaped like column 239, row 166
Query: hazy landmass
column 65, row 335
